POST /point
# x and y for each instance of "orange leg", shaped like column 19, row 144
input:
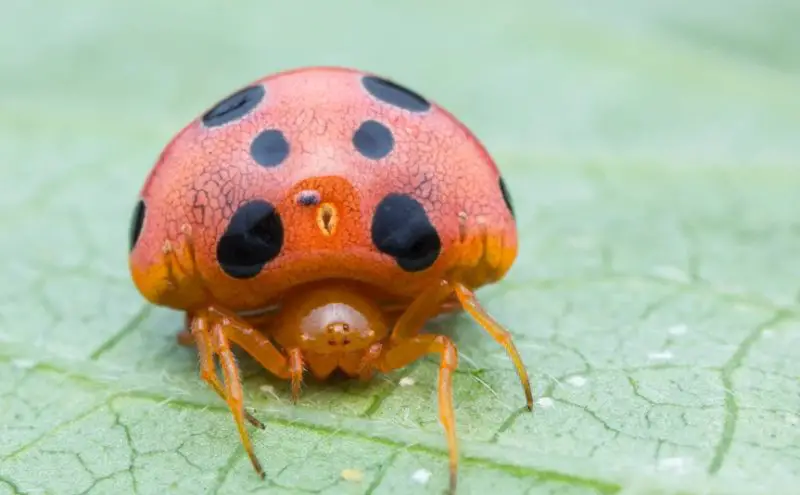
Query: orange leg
column 233, row 389
column 410, row 323
column 424, row 307
column 206, row 348
column 207, row 369
column 497, row 332
column 214, row 341
column 296, row 372
column 185, row 337
column 448, row 306
column 253, row 343
column 369, row 362
column 402, row 353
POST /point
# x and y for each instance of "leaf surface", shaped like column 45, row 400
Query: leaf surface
column 651, row 150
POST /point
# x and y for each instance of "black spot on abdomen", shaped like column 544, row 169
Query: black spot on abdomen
column 506, row 196
column 137, row 221
column 269, row 148
column 373, row 140
column 394, row 94
column 402, row 229
column 253, row 238
column 234, row 106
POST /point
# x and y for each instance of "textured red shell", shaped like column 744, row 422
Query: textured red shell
column 231, row 211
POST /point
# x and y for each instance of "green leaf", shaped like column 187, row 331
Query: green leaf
column 651, row 149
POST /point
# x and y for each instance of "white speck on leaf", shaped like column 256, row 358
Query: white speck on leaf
column 660, row 356
column 407, row 381
column 545, row 402
column 352, row 475
column 23, row 364
column 680, row 329
column 421, row 476
column 792, row 419
column 576, row 381
column 674, row 464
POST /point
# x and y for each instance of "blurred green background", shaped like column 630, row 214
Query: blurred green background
column 651, row 149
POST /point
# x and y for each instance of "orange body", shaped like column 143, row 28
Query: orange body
column 352, row 206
